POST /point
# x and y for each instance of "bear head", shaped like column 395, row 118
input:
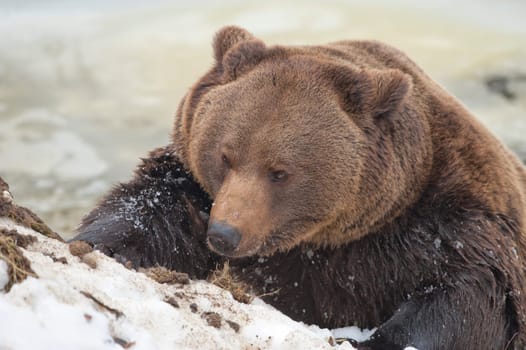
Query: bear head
column 298, row 145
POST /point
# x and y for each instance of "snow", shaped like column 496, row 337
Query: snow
column 55, row 310
column 4, row 278
column 353, row 333
column 51, row 323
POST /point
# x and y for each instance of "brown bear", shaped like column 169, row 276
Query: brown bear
column 348, row 187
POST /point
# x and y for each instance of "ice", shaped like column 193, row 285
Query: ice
column 48, row 147
column 87, row 90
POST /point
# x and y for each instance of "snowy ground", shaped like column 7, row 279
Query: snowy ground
column 63, row 309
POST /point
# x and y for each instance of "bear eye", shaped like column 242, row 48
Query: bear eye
column 226, row 161
column 278, row 176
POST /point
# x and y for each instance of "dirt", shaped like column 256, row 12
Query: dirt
column 171, row 301
column 56, row 259
column 4, row 187
column 163, row 275
column 21, row 215
column 223, row 278
column 80, row 248
column 18, row 265
column 212, row 318
column 22, row 241
column 90, row 260
column 234, row 325
column 101, row 305
column 193, row 307
column 123, row 343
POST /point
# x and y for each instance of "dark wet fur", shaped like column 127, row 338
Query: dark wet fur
column 424, row 279
column 446, row 275
column 155, row 219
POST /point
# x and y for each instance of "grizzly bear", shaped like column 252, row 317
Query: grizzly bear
column 348, row 189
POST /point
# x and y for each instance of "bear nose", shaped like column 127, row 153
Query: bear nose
column 223, row 237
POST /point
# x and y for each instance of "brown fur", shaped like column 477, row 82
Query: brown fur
column 398, row 209
column 369, row 90
column 364, row 135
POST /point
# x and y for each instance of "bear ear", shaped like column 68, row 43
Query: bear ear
column 237, row 51
column 391, row 88
column 242, row 58
column 378, row 92
column 226, row 38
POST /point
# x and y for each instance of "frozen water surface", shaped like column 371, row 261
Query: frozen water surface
column 88, row 87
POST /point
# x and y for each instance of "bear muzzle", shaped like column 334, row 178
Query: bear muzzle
column 223, row 238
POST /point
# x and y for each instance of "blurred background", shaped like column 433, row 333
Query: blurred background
column 88, row 87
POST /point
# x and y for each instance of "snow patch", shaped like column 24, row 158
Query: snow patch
column 70, row 307
column 4, row 277
column 353, row 332
column 459, row 245
column 42, row 318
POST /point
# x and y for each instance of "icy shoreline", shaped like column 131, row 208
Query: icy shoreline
column 88, row 87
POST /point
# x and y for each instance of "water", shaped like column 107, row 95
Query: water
column 86, row 88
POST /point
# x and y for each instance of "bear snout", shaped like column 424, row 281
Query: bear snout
column 223, row 238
